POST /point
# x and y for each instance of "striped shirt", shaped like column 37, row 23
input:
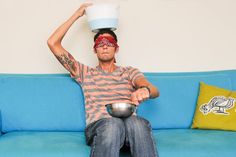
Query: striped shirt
column 101, row 88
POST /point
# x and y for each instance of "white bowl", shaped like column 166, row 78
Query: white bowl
column 102, row 16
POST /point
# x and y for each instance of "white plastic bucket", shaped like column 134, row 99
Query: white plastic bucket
column 102, row 16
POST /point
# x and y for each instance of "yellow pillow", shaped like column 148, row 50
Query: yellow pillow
column 216, row 108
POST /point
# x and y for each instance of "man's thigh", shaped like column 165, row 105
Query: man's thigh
column 106, row 127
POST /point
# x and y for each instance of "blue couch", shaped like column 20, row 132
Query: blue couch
column 42, row 115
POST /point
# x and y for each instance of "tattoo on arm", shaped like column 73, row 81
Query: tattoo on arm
column 68, row 62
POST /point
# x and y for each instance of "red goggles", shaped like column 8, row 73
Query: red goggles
column 105, row 40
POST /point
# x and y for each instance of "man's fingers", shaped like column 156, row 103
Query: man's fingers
column 142, row 96
column 145, row 96
column 134, row 99
column 139, row 96
column 87, row 4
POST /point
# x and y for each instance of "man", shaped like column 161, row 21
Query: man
column 106, row 84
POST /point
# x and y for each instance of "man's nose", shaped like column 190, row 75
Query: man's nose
column 105, row 46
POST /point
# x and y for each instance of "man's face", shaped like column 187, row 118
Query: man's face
column 105, row 49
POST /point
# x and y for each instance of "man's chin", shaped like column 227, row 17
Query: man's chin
column 106, row 60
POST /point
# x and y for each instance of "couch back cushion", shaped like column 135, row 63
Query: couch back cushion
column 178, row 97
column 55, row 102
column 41, row 102
column 232, row 75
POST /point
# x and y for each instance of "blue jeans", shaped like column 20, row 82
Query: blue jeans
column 107, row 136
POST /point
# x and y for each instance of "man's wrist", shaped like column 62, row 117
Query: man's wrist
column 76, row 16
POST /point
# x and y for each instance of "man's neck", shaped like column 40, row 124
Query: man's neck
column 107, row 66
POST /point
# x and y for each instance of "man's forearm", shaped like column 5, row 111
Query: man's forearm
column 60, row 32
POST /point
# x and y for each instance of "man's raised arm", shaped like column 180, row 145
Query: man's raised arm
column 54, row 41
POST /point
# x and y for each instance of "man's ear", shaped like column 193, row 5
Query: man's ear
column 94, row 50
column 117, row 50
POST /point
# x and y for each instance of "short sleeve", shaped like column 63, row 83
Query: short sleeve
column 82, row 71
column 134, row 74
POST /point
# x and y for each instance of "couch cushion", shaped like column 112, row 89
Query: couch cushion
column 43, row 144
column 232, row 75
column 41, row 102
column 178, row 97
column 195, row 143
column 55, row 101
column 46, row 144
column 170, row 143
column 215, row 109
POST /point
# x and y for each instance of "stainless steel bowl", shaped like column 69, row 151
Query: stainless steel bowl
column 121, row 110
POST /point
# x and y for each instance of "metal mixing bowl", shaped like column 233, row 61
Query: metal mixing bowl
column 121, row 110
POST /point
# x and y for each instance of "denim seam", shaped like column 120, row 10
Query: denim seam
column 154, row 145
column 153, row 140
column 94, row 146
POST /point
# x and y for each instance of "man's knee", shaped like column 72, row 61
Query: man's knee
column 112, row 131
column 135, row 123
column 114, row 125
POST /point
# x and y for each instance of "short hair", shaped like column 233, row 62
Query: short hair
column 105, row 30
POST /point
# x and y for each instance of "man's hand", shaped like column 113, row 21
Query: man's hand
column 81, row 11
column 140, row 95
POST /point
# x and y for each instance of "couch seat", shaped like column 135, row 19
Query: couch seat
column 195, row 143
column 43, row 144
column 170, row 143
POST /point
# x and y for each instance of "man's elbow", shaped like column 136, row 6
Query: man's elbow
column 51, row 43
column 156, row 93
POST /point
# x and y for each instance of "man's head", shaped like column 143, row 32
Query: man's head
column 105, row 45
